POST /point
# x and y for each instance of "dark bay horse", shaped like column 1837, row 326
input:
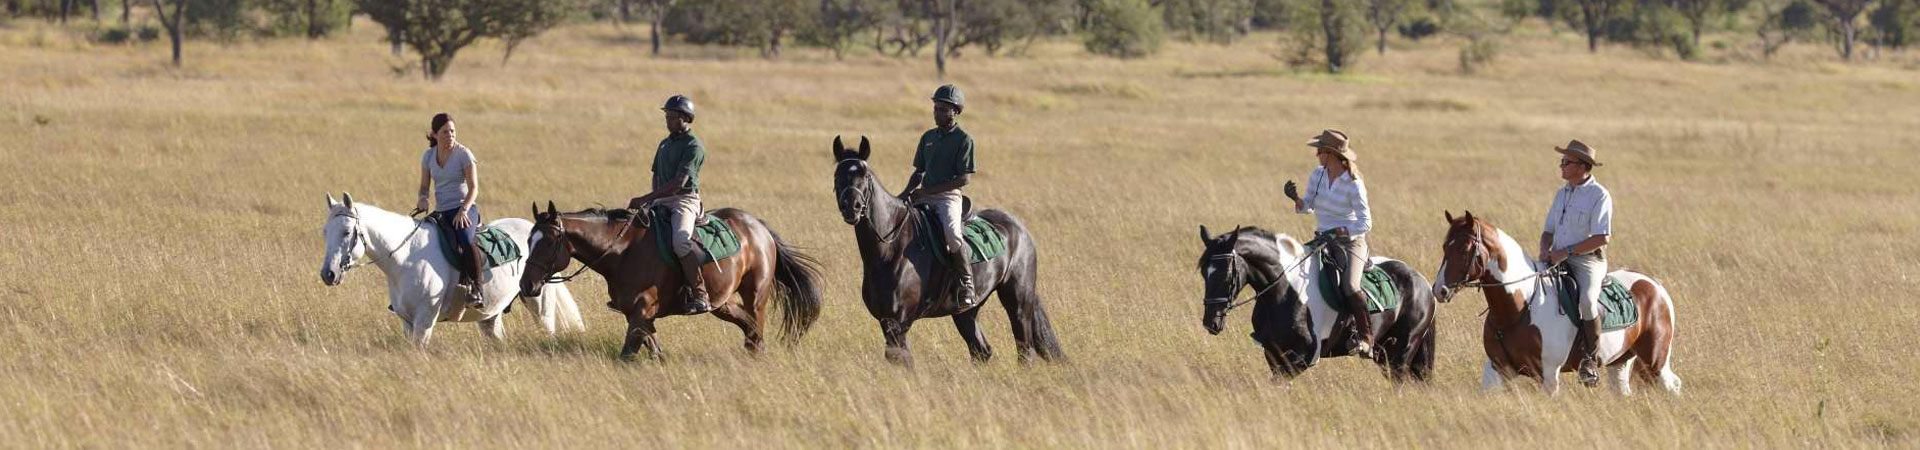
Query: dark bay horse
column 616, row 245
column 894, row 276
column 1293, row 324
column 1527, row 335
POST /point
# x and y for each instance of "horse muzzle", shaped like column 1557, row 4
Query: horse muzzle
column 330, row 277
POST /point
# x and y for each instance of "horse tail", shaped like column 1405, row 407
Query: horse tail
column 796, row 279
column 557, row 298
column 1021, row 295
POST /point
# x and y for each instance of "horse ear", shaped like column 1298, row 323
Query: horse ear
column 1204, row 236
column 536, row 208
column 330, row 201
column 1235, row 235
column 866, row 149
column 1449, row 216
column 346, row 199
column 839, row 150
column 1468, row 217
column 550, row 209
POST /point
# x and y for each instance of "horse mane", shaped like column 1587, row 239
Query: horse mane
column 1254, row 232
column 611, row 215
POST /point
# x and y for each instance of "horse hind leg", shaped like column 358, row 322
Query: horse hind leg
column 896, row 333
column 736, row 313
column 492, row 328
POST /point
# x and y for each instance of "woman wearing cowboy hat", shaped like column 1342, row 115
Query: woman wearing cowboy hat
column 1577, row 229
column 1338, row 200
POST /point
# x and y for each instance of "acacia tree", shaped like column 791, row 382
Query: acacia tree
column 1592, row 16
column 1843, row 17
column 175, row 23
column 1697, row 13
column 1383, row 15
column 656, row 16
column 439, row 29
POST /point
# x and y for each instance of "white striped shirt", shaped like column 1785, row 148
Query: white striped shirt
column 1579, row 212
column 1336, row 203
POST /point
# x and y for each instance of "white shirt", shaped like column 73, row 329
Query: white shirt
column 1340, row 202
column 1579, row 211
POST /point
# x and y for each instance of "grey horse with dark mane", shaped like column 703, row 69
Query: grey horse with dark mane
column 897, row 268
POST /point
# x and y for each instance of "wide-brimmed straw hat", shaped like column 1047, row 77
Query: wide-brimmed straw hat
column 1579, row 151
column 1336, row 141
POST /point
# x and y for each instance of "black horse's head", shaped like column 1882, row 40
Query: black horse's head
column 548, row 251
column 1281, row 324
column 1223, row 273
column 853, row 183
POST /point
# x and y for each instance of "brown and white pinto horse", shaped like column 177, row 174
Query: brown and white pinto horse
column 617, row 245
column 1525, row 332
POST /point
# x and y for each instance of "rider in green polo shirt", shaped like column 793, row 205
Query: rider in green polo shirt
column 676, row 186
column 944, row 163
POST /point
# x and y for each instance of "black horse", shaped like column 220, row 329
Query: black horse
column 892, row 243
column 1293, row 325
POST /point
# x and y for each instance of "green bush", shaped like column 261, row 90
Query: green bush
column 1123, row 28
column 1418, row 29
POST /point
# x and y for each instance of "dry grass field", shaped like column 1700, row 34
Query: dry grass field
column 162, row 243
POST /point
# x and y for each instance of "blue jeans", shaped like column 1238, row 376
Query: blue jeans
column 463, row 238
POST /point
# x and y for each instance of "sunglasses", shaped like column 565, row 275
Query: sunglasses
column 1568, row 162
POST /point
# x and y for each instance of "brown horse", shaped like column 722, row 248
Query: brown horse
column 1526, row 334
column 895, row 277
column 616, row 245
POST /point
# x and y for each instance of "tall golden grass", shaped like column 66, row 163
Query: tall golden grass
column 162, row 243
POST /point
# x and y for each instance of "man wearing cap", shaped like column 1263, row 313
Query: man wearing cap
column 944, row 162
column 1338, row 200
column 1575, row 234
column 676, row 186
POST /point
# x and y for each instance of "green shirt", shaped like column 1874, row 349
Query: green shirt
column 944, row 155
column 680, row 154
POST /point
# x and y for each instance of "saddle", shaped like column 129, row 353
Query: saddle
column 498, row 246
column 1620, row 309
column 715, row 238
column 1375, row 284
column 983, row 241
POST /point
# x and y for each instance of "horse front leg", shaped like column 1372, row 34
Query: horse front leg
column 639, row 335
column 1491, row 379
column 896, row 334
column 969, row 329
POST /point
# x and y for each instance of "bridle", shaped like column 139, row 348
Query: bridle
column 560, row 232
column 358, row 235
column 1234, row 273
column 862, row 203
column 1482, row 259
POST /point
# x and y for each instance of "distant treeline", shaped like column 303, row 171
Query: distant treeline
column 1319, row 33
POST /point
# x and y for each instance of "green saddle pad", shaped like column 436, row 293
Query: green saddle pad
column 1382, row 294
column 1621, row 309
column 985, row 241
column 496, row 243
column 716, row 238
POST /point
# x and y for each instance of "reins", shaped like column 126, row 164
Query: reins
column 603, row 254
column 358, row 235
column 1312, row 250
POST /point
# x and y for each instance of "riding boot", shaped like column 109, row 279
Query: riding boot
column 962, row 267
column 694, row 293
column 1586, row 346
column 1362, row 337
column 475, row 276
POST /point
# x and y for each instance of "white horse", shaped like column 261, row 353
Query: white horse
column 1527, row 334
column 420, row 279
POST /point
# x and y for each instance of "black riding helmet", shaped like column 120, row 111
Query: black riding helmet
column 680, row 103
column 951, row 95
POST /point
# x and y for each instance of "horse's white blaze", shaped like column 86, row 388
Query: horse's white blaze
column 534, row 241
column 420, row 278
